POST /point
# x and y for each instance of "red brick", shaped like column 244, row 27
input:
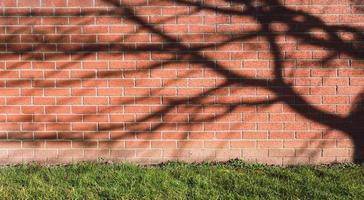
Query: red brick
column 281, row 152
column 190, row 144
column 163, row 144
column 217, row 144
column 336, row 152
column 80, row 82
column 137, row 144
column 281, row 135
column 58, row 144
column 112, row 144
column 84, row 144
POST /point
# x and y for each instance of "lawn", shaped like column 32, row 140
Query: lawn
column 232, row 180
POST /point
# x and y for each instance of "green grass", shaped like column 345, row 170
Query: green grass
column 231, row 180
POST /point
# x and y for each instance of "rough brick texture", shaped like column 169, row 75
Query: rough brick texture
column 146, row 81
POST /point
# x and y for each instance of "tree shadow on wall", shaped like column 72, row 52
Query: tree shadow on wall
column 358, row 5
column 270, row 22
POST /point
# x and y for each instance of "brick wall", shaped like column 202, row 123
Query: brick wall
column 146, row 81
